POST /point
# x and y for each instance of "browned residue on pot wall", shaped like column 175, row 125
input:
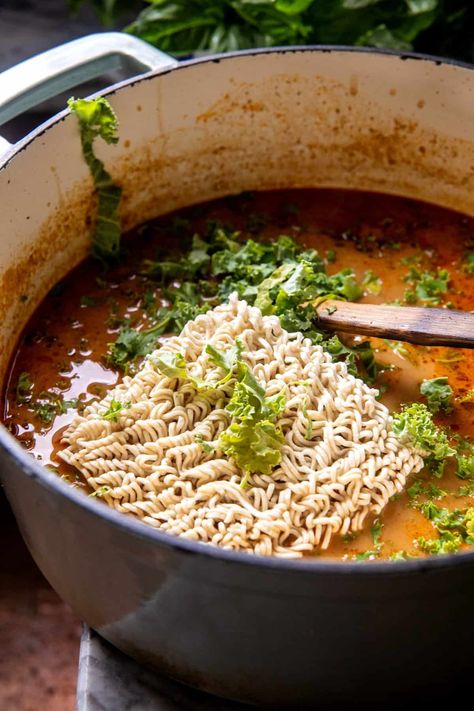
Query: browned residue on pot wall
column 278, row 131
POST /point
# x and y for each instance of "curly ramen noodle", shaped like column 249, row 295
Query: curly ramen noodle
column 345, row 465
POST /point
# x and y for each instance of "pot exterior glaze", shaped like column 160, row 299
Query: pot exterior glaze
column 279, row 633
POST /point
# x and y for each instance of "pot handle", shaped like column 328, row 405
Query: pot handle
column 45, row 75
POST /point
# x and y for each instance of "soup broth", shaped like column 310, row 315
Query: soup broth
column 398, row 250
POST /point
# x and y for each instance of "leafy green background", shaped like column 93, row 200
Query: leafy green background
column 440, row 27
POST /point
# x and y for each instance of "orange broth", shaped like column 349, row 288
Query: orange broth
column 64, row 345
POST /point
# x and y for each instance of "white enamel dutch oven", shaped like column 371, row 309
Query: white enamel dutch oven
column 279, row 633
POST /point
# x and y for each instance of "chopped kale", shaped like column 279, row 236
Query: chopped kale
column 226, row 360
column 97, row 118
column 88, row 301
column 113, row 411
column 465, row 467
column 173, row 365
column 439, row 395
column 468, row 265
column 372, row 283
column 149, row 302
column 132, row 344
column 455, row 528
column 411, row 259
column 46, row 411
column 253, row 439
column 400, row 555
column 447, row 543
column 163, row 270
column 101, row 491
column 414, row 425
column 400, row 348
column 49, row 404
column 279, row 277
column 427, row 489
column 207, row 447
column 367, row 555
column 427, row 287
column 23, row 388
column 376, row 531
column 466, row 489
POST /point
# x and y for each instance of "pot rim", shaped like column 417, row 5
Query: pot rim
column 11, row 448
column 40, row 130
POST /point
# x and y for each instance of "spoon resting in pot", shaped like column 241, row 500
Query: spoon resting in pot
column 422, row 325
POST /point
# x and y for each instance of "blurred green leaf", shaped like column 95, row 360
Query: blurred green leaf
column 442, row 27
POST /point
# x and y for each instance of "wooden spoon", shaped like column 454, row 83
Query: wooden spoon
column 415, row 324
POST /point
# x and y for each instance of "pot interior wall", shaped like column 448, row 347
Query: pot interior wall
column 250, row 122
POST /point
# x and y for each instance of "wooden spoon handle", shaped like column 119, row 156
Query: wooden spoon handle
column 422, row 325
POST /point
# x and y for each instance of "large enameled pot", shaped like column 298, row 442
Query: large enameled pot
column 286, row 634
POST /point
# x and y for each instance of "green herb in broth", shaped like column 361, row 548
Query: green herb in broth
column 426, row 489
column 376, row 534
column 414, row 424
column 376, row 531
column 412, row 259
column 455, row 528
column 132, row 344
column 164, row 305
column 465, row 468
column 367, row 555
column 372, row 283
column 466, row 489
column 427, row 287
column 407, row 351
column 279, row 277
column 23, row 389
column 49, row 404
column 88, row 301
column 439, row 395
column 468, row 264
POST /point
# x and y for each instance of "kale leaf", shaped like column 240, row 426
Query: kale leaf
column 278, row 277
column 455, row 527
column 132, row 344
column 23, row 388
column 253, row 440
column 439, row 394
column 114, row 410
column 414, row 425
column 427, row 287
column 97, row 119
column 465, row 467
